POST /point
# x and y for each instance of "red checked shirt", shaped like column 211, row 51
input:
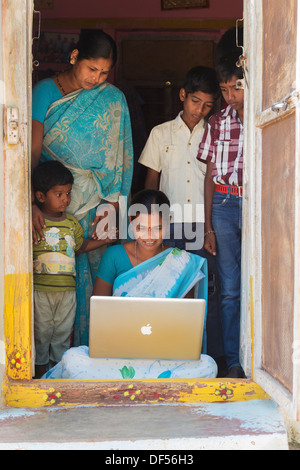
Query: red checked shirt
column 222, row 144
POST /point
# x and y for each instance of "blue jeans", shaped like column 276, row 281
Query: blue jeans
column 227, row 224
column 214, row 337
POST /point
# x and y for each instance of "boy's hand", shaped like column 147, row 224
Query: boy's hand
column 210, row 244
column 110, row 236
column 113, row 236
column 105, row 220
column 38, row 224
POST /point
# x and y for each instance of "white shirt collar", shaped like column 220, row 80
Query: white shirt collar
column 179, row 122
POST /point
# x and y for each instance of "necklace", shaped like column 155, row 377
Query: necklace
column 60, row 85
column 135, row 253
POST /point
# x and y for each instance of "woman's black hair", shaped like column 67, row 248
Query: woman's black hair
column 227, row 68
column 49, row 174
column 148, row 197
column 227, row 55
column 148, row 201
column 95, row 44
column 227, row 45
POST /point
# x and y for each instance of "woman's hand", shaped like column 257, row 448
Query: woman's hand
column 210, row 243
column 38, row 224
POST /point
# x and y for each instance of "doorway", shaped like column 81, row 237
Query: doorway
column 148, row 68
column 24, row 392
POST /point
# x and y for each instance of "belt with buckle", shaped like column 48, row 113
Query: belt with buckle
column 235, row 190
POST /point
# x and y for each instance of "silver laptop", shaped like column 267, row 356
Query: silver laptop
column 128, row 327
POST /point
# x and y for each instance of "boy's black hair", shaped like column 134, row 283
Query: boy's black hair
column 204, row 79
column 49, row 174
column 227, row 55
column 201, row 78
column 227, row 68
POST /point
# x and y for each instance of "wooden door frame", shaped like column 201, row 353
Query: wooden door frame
column 296, row 392
column 19, row 389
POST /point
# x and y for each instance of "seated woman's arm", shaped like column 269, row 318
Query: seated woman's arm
column 113, row 262
column 102, row 287
column 190, row 294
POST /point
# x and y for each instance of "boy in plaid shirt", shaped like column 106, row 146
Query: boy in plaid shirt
column 222, row 149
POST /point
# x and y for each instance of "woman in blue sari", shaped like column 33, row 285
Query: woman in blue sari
column 82, row 121
column 143, row 267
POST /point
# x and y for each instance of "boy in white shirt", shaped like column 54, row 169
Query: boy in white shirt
column 170, row 155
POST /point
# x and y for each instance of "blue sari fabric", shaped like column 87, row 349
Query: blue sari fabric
column 170, row 274
column 89, row 131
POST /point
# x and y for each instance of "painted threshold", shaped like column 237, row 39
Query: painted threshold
column 20, row 390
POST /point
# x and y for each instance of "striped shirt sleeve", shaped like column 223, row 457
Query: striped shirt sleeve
column 207, row 149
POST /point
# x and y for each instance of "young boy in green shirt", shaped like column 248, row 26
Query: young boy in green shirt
column 54, row 264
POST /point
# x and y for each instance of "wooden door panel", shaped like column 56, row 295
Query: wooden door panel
column 279, row 49
column 278, row 219
column 277, row 144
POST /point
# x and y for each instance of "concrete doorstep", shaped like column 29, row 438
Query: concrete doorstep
column 255, row 425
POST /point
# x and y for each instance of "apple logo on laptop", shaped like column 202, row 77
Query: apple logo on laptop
column 147, row 329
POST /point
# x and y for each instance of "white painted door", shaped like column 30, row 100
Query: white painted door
column 16, row 39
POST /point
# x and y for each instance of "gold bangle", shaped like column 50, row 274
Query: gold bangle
column 207, row 233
